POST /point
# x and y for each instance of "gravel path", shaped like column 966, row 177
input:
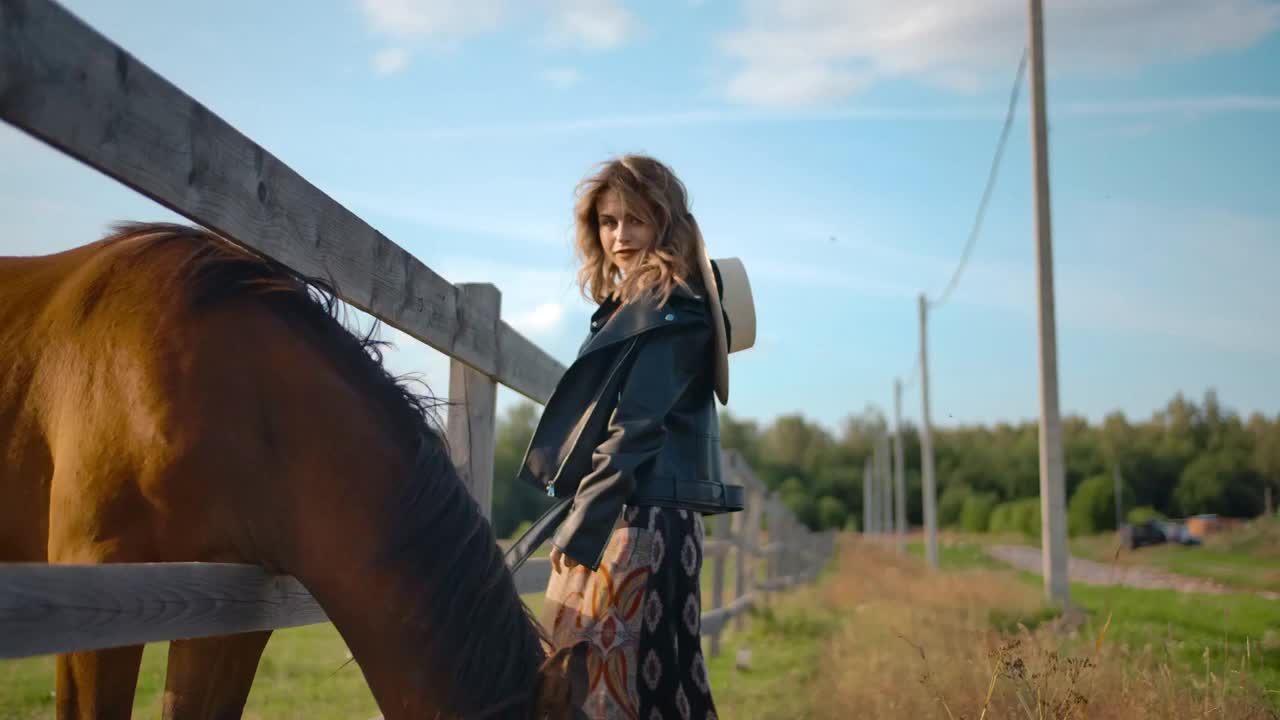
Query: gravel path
column 1096, row 573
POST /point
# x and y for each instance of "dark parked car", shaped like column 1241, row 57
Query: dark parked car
column 1156, row 532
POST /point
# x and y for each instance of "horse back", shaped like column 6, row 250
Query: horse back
column 120, row 406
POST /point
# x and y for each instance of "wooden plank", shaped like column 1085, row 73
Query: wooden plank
column 67, row 85
column 48, row 609
column 472, row 417
column 533, row 576
column 713, row 622
column 779, row 583
column 717, row 583
column 525, row 367
column 717, row 546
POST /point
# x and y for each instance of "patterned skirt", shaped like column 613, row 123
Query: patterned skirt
column 641, row 615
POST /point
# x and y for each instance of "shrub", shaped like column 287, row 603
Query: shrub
column 975, row 514
column 951, row 503
column 1092, row 508
column 1019, row 516
column 831, row 513
column 1142, row 514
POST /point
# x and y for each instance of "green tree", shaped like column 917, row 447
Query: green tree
column 799, row 500
column 1265, row 437
column 740, row 435
column 975, row 514
column 951, row 503
column 513, row 501
column 832, row 513
column 1220, row 482
column 1092, row 507
column 1142, row 514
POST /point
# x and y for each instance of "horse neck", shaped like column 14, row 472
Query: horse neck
column 423, row 598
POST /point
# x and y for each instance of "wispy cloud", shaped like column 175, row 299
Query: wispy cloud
column 593, row 24
column 541, row 319
column 433, row 19
column 562, row 78
column 391, row 60
column 1193, row 106
column 796, row 84
column 580, row 24
column 831, row 49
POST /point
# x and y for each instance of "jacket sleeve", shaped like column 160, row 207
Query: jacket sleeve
column 666, row 364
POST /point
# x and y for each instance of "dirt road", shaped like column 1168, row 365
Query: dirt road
column 1095, row 573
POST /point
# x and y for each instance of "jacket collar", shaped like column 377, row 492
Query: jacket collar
column 644, row 314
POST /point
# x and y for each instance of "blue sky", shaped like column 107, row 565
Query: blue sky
column 838, row 146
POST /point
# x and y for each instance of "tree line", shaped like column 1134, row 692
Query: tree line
column 1187, row 458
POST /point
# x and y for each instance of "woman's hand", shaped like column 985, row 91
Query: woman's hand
column 557, row 555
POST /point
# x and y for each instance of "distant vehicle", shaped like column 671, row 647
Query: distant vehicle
column 1156, row 532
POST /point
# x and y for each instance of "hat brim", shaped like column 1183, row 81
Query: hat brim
column 721, row 359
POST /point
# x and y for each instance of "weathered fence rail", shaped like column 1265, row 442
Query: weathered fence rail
column 47, row 609
column 67, row 85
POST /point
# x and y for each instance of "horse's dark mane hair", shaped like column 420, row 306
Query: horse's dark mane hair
column 484, row 644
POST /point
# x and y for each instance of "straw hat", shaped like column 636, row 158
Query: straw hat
column 734, row 301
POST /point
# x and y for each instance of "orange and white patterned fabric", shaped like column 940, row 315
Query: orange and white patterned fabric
column 640, row 613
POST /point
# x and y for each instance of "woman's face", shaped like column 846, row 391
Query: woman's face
column 623, row 233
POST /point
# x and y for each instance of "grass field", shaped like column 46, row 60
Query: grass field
column 880, row 637
column 1185, row 625
column 949, row 644
column 302, row 675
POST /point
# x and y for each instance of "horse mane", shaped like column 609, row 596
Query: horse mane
column 483, row 643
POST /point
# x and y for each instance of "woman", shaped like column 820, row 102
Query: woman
column 631, row 439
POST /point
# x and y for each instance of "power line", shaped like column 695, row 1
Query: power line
column 991, row 181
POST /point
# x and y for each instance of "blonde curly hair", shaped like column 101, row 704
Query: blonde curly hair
column 657, row 195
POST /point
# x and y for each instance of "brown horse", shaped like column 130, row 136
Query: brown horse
column 166, row 395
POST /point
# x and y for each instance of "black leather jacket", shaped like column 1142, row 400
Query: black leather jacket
column 632, row 422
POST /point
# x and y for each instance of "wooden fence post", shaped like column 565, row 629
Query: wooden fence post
column 738, row 531
column 717, row 577
column 472, row 421
column 774, row 521
column 787, row 541
column 751, row 542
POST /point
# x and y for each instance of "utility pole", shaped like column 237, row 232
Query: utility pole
column 886, row 480
column 899, row 473
column 873, row 462
column 927, row 489
column 866, row 497
column 1053, row 501
column 1115, row 471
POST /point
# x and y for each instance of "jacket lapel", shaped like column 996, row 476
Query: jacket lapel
column 642, row 315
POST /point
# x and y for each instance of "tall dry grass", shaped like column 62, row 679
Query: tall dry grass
column 920, row 645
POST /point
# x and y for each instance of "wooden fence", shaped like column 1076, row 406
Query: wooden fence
column 67, row 85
